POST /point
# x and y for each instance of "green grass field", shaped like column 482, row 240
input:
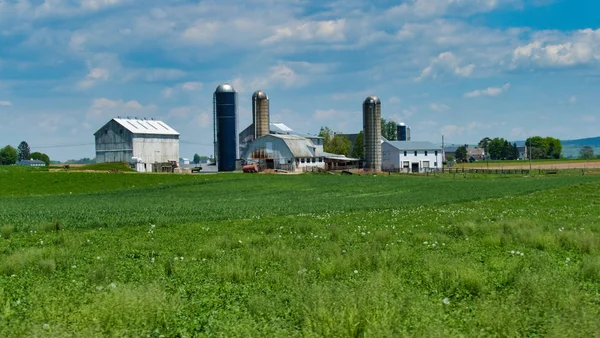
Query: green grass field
column 98, row 254
column 523, row 163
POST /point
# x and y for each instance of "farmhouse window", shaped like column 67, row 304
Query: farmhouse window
column 404, row 153
column 415, row 153
column 425, row 152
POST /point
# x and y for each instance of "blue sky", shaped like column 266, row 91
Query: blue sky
column 465, row 69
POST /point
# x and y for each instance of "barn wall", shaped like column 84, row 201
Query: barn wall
column 156, row 148
column 113, row 143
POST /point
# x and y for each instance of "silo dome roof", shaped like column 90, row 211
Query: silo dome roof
column 372, row 99
column 259, row 94
column 225, row 88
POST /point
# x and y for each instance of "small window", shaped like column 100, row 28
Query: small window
column 320, row 159
column 302, row 160
column 436, row 153
column 405, row 153
column 415, row 153
column 425, row 152
column 121, row 131
column 314, row 160
column 435, row 164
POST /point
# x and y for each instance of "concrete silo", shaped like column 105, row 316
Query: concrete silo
column 260, row 113
column 225, row 127
column 372, row 133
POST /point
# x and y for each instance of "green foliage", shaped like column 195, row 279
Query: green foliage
column 339, row 144
column 41, row 157
column 544, row 148
column 485, row 143
column 389, row 129
column 461, row 153
column 326, row 133
column 496, row 257
column 8, row 155
column 24, row 153
column 358, row 148
column 586, row 153
column 196, row 159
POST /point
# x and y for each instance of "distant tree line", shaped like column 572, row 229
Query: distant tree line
column 10, row 155
column 337, row 143
column 544, row 147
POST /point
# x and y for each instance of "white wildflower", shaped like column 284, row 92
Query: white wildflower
column 568, row 260
column 46, row 327
column 446, row 301
column 113, row 285
column 355, row 271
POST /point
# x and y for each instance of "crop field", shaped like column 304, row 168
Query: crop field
column 97, row 254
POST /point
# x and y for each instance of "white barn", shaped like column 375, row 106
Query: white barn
column 149, row 141
column 286, row 152
column 410, row 156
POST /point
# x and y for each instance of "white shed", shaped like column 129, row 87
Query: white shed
column 287, row 152
column 151, row 141
column 410, row 156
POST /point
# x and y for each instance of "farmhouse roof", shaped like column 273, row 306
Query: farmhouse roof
column 413, row 145
column 299, row 146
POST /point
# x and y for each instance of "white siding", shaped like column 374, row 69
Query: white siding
column 156, row 148
column 392, row 158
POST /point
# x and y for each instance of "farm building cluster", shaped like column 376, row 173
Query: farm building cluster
column 153, row 146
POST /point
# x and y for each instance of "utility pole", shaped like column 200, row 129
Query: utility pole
column 529, row 154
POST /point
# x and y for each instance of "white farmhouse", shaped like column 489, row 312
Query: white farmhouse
column 410, row 156
column 146, row 141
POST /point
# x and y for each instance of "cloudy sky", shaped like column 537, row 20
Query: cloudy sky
column 464, row 69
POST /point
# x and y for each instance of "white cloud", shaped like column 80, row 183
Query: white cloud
column 439, row 107
column 324, row 31
column 553, row 49
column 5, row 103
column 191, row 86
column 202, row 120
column 167, row 92
column 436, row 8
column 445, row 63
column 103, row 108
column 573, row 99
column 180, row 112
column 394, row 100
column 490, row 91
column 93, row 77
column 589, row 118
column 326, row 114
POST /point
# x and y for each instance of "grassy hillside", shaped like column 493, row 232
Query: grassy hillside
column 297, row 256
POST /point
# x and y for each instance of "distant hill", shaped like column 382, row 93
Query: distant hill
column 571, row 147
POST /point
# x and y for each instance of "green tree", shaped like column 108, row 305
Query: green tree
column 8, row 155
column 461, row 153
column 326, row 133
column 24, row 151
column 586, row 153
column 537, row 146
column 211, row 159
column 358, row 151
column 496, row 148
column 40, row 157
column 485, row 143
column 554, row 148
column 514, row 152
column 196, row 158
column 339, row 144
column 389, row 129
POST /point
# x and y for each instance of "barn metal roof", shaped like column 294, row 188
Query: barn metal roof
column 413, row 145
column 299, row 146
column 143, row 126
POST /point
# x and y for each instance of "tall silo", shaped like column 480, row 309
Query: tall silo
column 403, row 132
column 260, row 113
column 225, row 127
column 372, row 133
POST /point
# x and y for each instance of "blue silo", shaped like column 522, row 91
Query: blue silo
column 225, row 124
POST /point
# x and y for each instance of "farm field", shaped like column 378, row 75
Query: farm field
column 535, row 164
column 95, row 254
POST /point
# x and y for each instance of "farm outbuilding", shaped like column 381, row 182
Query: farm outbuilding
column 148, row 141
column 284, row 152
column 32, row 163
column 410, row 156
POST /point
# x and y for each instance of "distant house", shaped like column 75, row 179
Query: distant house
column 476, row 153
column 410, row 156
column 32, row 163
column 523, row 155
column 450, row 151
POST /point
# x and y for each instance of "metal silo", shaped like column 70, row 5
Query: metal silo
column 372, row 133
column 402, row 134
column 260, row 113
column 225, row 127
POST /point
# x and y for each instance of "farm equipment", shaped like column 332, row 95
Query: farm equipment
column 250, row 168
column 196, row 169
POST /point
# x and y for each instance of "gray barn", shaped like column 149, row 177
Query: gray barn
column 151, row 141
